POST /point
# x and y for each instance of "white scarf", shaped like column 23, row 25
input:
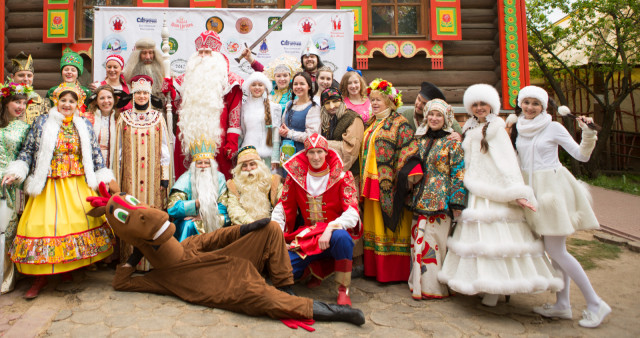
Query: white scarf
column 530, row 128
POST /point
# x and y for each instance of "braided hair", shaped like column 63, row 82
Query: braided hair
column 268, row 121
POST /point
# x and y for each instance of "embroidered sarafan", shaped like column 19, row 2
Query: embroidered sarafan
column 67, row 160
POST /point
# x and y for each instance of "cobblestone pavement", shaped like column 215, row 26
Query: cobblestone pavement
column 89, row 307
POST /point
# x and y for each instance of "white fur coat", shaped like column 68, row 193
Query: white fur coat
column 34, row 161
column 494, row 175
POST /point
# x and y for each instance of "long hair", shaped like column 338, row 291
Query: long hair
column 93, row 106
column 268, row 120
column 5, row 118
column 344, row 84
column 307, row 78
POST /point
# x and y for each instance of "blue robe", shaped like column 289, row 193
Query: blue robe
column 182, row 208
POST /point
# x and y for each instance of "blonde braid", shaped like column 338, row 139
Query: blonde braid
column 267, row 121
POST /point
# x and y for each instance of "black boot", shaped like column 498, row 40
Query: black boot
column 287, row 289
column 337, row 313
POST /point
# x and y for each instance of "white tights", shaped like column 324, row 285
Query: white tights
column 571, row 270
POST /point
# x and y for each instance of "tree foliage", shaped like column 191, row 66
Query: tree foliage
column 599, row 37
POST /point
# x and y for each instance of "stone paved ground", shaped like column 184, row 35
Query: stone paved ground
column 89, row 307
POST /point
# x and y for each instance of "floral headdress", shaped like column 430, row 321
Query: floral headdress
column 68, row 87
column 386, row 88
column 11, row 89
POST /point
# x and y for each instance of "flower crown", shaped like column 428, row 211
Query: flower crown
column 386, row 88
column 10, row 89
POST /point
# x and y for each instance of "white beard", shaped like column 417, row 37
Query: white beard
column 254, row 191
column 202, row 99
column 154, row 70
column 204, row 185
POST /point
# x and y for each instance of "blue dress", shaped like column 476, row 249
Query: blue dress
column 182, row 205
column 296, row 120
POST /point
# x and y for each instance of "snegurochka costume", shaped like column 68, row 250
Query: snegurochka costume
column 492, row 249
column 37, row 105
column 182, row 201
column 436, row 164
column 11, row 139
column 141, row 159
column 386, row 241
column 62, row 165
column 71, row 58
column 326, row 198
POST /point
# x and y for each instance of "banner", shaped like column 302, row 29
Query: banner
column 116, row 30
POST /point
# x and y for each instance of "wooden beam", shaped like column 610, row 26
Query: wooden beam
column 2, row 8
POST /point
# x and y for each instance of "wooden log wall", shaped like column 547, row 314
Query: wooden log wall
column 474, row 59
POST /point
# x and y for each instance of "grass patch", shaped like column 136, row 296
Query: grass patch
column 588, row 252
column 625, row 183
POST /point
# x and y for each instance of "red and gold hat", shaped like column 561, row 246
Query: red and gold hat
column 209, row 40
column 68, row 87
column 316, row 141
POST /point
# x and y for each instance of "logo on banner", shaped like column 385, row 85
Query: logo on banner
column 336, row 27
column 306, row 25
column 117, row 23
column 215, row 24
column 179, row 66
column 272, row 21
column 264, row 49
column 114, row 44
column 181, row 24
column 244, row 25
column 232, row 45
column 146, row 24
column 324, row 43
column 291, row 47
column 173, row 46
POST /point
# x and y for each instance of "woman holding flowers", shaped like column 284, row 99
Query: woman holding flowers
column 12, row 134
column 386, row 233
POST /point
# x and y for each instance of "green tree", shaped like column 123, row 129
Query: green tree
column 604, row 32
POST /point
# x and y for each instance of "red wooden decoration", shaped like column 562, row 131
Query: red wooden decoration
column 514, row 54
column 306, row 4
column 58, row 21
column 445, row 20
column 360, row 17
column 153, row 3
column 205, row 3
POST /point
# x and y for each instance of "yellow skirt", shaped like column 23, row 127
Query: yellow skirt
column 387, row 255
column 55, row 235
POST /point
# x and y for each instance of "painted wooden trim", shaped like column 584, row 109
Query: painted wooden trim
column 58, row 21
column 398, row 48
column 514, row 55
column 152, row 3
column 445, row 20
column 307, row 4
column 360, row 9
column 205, row 3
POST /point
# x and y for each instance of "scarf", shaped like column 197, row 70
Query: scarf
column 530, row 128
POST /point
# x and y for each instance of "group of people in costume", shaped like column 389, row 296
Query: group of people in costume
column 290, row 173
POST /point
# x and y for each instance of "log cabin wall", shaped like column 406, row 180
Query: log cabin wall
column 474, row 59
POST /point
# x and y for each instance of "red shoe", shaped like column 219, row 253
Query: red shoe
column 343, row 296
column 314, row 282
column 37, row 285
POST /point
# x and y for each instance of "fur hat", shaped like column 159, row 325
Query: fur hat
column 259, row 77
column 481, row 93
column 534, row 92
column 429, row 91
column 145, row 43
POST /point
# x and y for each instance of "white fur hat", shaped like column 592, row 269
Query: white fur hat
column 481, row 93
column 535, row 93
column 257, row 76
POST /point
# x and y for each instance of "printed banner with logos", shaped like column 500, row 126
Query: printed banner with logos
column 116, row 30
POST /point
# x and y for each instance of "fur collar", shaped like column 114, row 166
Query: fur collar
column 50, row 129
